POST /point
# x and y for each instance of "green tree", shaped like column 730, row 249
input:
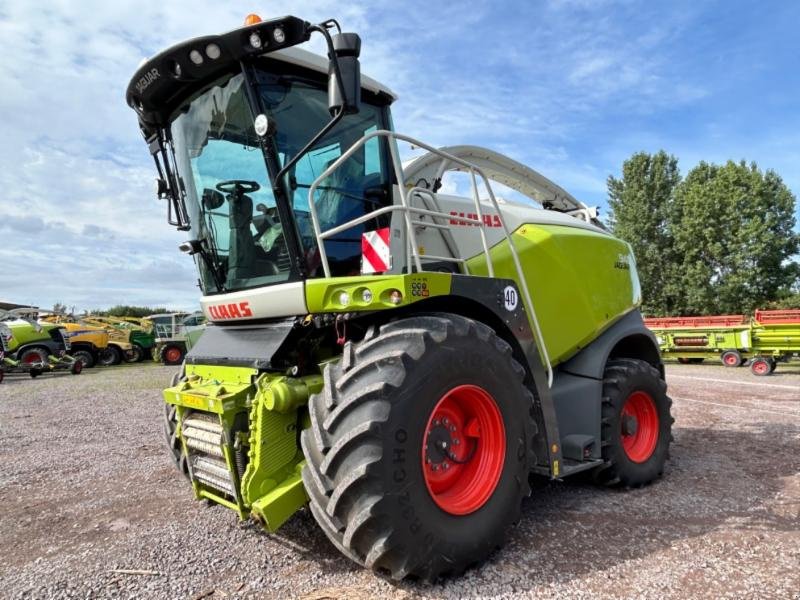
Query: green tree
column 732, row 227
column 641, row 205
column 123, row 310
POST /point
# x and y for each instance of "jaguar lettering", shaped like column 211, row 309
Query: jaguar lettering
column 146, row 79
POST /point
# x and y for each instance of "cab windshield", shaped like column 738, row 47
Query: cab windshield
column 229, row 194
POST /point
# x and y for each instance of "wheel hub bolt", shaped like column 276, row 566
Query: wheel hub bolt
column 629, row 425
column 446, row 466
column 456, row 441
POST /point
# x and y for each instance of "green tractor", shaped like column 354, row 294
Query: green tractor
column 27, row 346
column 172, row 333
column 397, row 359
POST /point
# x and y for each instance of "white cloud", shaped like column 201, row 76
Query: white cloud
column 533, row 80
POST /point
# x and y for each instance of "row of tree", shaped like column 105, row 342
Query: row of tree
column 720, row 240
column 120, row 310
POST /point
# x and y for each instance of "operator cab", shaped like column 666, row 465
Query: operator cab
column 243, row 194
column 230, row 201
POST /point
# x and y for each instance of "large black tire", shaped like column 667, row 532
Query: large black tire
column 364, row 449
column 170, row 425
column 34, row 355
column 172, row 354
column 85, row 357
column 139, row 353
column 173, row 443
column 134, row 354
column 626, row 379
column 110, row 356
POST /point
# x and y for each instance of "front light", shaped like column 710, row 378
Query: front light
column 344, row 298
column 278, row 35
column 255, row 40
column 213, row 52
column 366, row 296
column 196, row 57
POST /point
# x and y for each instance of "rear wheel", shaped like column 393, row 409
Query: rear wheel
column 731, row 358
column 172, row 355
column 761, row 366
column 84, row 357
column 33, row 356
column 110, row 356
column 636, row 424
column 417, row 455
column 139, row 353
column 133, row 354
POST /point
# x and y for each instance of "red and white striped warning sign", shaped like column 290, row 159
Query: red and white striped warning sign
column 376, row 256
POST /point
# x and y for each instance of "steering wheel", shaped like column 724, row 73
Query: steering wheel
column 237, row 185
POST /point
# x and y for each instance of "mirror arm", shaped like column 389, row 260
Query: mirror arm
column 332, row 123
column 322, row 133
column 332, row 56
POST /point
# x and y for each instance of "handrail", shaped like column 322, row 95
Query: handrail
column 412, row 248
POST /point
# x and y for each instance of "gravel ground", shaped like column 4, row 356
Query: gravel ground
column 86, row 489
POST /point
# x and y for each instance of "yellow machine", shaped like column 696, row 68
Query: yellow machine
column 94, row 342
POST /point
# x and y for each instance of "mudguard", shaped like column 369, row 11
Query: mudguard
column 629, row 333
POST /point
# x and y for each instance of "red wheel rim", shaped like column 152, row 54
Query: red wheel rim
column 34, row 357
column 761, row 367
column 730, row 359
column 639, row 426
column 172, row 354
column 462, row 475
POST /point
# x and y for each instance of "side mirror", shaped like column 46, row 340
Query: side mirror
column 346, row 49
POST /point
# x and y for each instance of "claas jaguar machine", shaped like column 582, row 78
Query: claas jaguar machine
column 27, row 346
column 396, row 359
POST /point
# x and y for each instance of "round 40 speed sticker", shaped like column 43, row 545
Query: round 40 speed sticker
column 510, row 298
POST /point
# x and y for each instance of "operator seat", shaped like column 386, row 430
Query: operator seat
column 243, row 263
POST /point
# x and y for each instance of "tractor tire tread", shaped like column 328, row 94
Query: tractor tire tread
column 617, row 371
column 344, row 442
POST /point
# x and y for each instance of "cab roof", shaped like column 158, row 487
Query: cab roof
column 163, row 83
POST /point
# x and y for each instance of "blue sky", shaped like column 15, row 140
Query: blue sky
column 570, row 87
